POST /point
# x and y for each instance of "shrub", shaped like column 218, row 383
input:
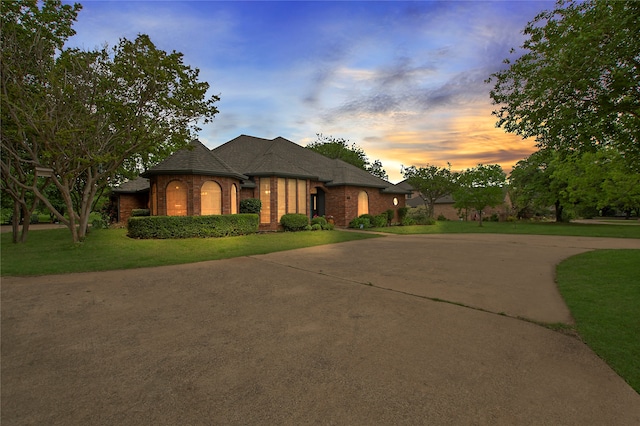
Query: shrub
column 361, row 222
column 34, row 218
column 420, row 216
column 99, row 224
column 316, row 227
column 407, row 221
column 140, row 212
column 250, row 205
column 380, row 221
column 163, row 227
column 442, row 218
column 328, row 226
column 402, row 213
column 294, row 222
column 494, row 218
column 319, row 220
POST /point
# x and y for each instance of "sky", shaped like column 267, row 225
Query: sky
column 405, row 81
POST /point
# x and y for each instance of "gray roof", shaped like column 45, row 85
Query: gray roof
column 194, row 159
column 281, row 157
column 138, row 184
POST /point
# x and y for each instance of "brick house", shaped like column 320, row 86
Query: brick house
column 286, row 177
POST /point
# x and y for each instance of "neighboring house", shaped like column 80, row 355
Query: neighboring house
column 444, row 206
column 286, row 177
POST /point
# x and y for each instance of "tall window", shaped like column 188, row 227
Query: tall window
column 302, row 196
column 234, row 199
column 176, row 198
column 210, row 198
column 282, row 197
column 292, row 191
column 265, row 198
column 363, row 203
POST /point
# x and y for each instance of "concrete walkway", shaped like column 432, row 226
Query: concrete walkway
column 352, row 333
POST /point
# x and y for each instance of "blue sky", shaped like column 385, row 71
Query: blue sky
column 403, row 80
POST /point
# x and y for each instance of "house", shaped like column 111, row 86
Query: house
column 444, row 206
column 286, row 177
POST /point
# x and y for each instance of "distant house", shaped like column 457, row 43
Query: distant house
column 444, row 205
column 286, row 177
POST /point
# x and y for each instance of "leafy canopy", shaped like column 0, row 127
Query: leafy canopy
column 577, row 85
column 431, row 182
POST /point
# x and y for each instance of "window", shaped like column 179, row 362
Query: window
column 282, row 197
column 265, row 198
column 234, row 199
column 363, row 203
column 292, row 191
column 302, row 196
column 210, row 198
column 176, row 198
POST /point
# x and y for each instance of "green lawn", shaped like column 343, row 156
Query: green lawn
column 52, row 252
column 602, row 290
column 537, row 228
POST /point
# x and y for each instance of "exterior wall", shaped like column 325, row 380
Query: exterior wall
column 342, row 203
column 194, row 184
column 128, row 202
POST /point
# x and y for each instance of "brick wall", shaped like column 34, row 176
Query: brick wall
column 128, row 202
column 342, row 203
column 194, row 184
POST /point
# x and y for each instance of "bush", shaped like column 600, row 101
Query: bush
column 419, row 216
column 163, row 227
column 361, row 222
column 99, row 224
column 407, row 221
column 294, row 222
column 140, row 212
column 250, row 205
column 390, row 213
column 441, row 218
column 380, row 221
column 316, row 227
column 319, row 220
column 402, row 213
column 494, row 218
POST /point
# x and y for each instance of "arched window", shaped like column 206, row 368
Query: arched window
column 363, row 203
column 210, row 198
column 176, row 198
column 234, row 199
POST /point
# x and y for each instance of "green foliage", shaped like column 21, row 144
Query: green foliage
column 162, row 227
column 480, row 187
column 390, row 214
column 402, row 213
column 339, row 148
column 441, row 218
column 361, row 222
column 431, row 182
column 140, row 212
column 316, row 227
column 601, row 290
column 380, row 221
column 250, row 205
column 419, row 216
column 575, row 88
column 320, row 220
column 294, row 222
column 134, row 103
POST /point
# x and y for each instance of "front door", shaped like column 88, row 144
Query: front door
column 317, row 203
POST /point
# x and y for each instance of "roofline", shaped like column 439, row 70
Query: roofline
column 149, row 173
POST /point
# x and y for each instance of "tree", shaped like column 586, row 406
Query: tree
column 480, row 187
column 577, row 85
column 30, row 37
column 535, row 185
column 99, row 114
column 339, row 148
column 431, row 182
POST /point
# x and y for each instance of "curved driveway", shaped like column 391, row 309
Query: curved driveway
column 352, row 333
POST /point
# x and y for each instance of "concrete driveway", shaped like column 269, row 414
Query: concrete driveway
column 353, row 333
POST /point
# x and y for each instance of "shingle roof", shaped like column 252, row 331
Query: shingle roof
column 195, row 159
column 138, row 184
column 281, row 157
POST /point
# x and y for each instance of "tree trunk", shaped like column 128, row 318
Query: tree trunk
column 479, row 217
column 15, row 222
column 559, row 209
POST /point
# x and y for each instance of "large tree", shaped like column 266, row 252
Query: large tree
column 92, row 116
column 339, row 148
column 431, row 182
column 577, row 85
column 480, row 187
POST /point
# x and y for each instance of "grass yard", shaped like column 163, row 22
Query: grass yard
column 536, row 228
column 52, row 252
column 602, row 290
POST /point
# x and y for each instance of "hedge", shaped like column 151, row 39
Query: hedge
column 294, row 222
column 164, row 227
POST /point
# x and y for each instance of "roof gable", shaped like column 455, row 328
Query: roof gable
column 194, row 159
